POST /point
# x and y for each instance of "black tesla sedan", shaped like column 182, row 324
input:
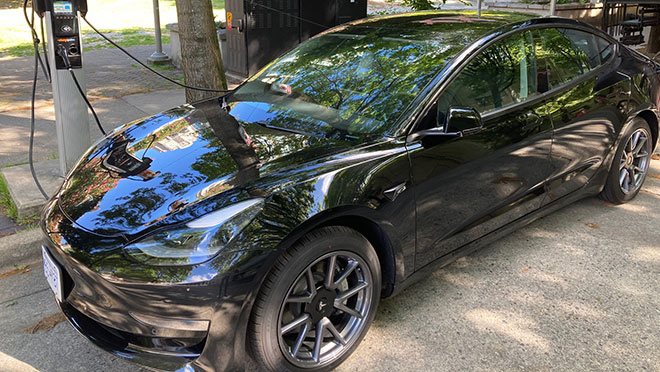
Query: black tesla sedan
column 270, row 221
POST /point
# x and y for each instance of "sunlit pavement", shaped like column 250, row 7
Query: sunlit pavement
column 577, row 290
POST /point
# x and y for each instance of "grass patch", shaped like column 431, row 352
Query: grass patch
column 6, row 204
column 125, row 38
column 10, row 4
column 91, row 41
column 115, row 16
column 8, row 207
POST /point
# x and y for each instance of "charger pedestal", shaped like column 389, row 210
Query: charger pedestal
column 71, row 116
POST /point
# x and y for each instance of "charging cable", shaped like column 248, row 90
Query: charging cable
column 149, row 68
column 37, row 62
column 61, row 50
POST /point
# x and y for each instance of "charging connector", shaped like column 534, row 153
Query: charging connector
column 64, row 54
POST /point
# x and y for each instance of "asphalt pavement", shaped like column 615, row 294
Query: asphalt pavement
column 574, row 291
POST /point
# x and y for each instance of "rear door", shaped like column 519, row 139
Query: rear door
column 466, row 187
column 587, row 99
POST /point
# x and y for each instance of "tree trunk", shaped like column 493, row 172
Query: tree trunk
column 200, row 52
column 653, row 45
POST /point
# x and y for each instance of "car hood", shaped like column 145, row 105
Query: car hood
column 183, row 163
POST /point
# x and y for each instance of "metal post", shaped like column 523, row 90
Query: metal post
column 71, row 116
column 478, row 8
column 553, row 7
column 158, row 56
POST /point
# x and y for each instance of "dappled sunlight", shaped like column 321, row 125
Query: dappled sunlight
column 459, row 279
column 580, row 310
column 546, row 277
column 634, row 207
column 11, row 364
column 645, row 254
column 574, row 308
column 537, row 233
column 632, row 290
column 515, row 326
column 572, row 250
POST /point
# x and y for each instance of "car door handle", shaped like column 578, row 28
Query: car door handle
column 395, row 191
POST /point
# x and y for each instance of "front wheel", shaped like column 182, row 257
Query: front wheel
column 630, row 165
column 317, row 303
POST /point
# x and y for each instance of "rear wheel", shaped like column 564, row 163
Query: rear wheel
column 317, row 303
column 630, row 165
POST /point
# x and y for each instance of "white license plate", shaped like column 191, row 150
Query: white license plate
column 53, row 274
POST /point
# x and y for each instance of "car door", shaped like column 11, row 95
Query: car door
column 587, row 99
column 468, row 186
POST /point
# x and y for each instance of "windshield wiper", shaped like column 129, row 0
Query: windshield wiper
column 266, row 125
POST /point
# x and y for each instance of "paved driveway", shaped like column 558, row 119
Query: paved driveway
column 577, row 290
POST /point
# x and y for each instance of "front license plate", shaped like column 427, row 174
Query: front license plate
column 53, row 274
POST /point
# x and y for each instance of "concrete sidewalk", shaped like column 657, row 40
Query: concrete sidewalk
column 108, row 73
column 112, row 112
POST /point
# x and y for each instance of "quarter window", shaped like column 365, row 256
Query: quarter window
column 597, row 49
column 565, row 54
column 503, row 74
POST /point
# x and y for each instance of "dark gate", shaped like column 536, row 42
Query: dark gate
column 262, row 30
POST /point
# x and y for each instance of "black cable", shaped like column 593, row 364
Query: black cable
column 62, row 52
column 34, row 93
column 35, row 39
column 149, row 68
column 43, row 38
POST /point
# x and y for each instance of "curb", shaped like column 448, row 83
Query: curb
column 21, row 247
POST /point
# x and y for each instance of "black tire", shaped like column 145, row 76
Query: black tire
column 276, row 306
column 614, row 192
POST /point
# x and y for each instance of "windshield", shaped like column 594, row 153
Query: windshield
column 357, row 80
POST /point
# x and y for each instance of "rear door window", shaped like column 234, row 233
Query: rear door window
column 562, row 61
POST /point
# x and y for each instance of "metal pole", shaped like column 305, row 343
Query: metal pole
column 553, row 7
column 478, row 8
column 158, row 56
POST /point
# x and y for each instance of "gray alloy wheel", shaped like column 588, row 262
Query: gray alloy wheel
column 317, row 303
column 325, row 309
column 634, row 162
column 630, row 165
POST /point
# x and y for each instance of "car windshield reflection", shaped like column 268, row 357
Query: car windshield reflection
column 358, row 80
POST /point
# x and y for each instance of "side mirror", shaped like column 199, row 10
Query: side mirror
column 462, row 120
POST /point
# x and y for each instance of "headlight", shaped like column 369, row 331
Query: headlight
column 199, row 240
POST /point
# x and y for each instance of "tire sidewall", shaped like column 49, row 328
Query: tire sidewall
column 300, row 258
column 613, row 178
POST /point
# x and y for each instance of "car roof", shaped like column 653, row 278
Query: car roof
column 437, row 25
column 453, row 26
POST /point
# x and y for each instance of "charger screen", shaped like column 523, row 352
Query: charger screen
column 62, row 7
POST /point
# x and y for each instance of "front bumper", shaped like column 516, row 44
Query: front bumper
column 112, row 316
column 119, row 343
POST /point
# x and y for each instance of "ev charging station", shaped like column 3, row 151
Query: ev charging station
column 71, row 116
